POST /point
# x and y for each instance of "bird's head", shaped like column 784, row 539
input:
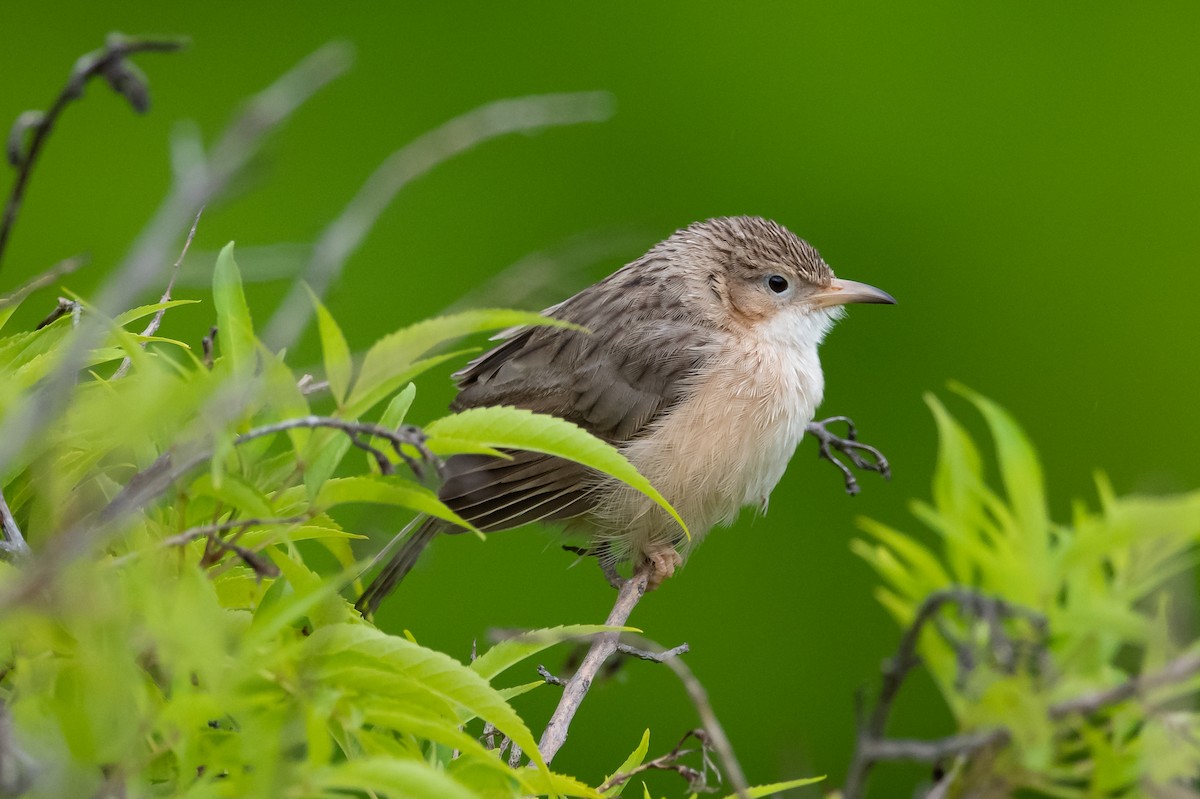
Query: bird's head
column 758, row 271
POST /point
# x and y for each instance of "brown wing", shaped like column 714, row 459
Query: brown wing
column 614, row 381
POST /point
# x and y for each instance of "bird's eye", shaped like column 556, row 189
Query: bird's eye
column 777, row 283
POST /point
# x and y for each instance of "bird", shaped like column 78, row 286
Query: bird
column 698, row 361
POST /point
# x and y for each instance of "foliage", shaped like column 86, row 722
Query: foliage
column 1106, row 589
column 194, row 650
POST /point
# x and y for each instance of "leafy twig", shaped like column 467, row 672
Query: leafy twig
column 871, row 735
column 696, row 778
column 873, row 747
column 109, row 62
column 717, row 739
column 156, row 320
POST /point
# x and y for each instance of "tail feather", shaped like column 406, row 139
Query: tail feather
column 396, row 569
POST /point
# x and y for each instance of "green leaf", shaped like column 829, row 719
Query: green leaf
column 511, row 651
column 392, row 418
column 235, row 331
column 516, row 428
column 1020, row 470
column 386, row 491
column 388, row 363
column 143, row 311
column 396, row 779
column 338, row 366
column 440, row 675
column 633, row 761
column 759, row 791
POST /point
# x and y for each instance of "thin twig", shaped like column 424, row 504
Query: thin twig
column 406, row 435
column 603, row 646
column 550, row 679
column 64, row 267
column 896, row 669
column 653, row 657
column 1176, row 671
column 65, row 306
column 343, row 236
column 156, row 320
column 696, row 778
column 108, row 62
column 717, row 739
column 206, row 347
column 12, row 543
column 192, row 533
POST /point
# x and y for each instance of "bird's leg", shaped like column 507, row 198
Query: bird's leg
column 850, row 447
column 606, row 563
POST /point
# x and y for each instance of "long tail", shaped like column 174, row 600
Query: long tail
column 400, row 565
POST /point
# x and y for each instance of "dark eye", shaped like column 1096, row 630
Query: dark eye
column 777, row 283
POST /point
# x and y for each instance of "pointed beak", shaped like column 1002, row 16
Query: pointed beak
column 844, row 292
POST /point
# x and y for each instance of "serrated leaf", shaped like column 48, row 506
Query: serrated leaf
column 1020, row 470
column 633, row 761
column 396, row 779
column 387, row 364
column 511, row 651
column 393, row 417
column 235, row 331
column 441, row 675
column 375, row 490
column 142, row 311
column 759, row 791
column 339, row 368
column 516, row 428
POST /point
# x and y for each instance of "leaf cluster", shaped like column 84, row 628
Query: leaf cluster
column 1079, row 609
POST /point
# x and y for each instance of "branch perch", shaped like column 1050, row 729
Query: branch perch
column 602, row 649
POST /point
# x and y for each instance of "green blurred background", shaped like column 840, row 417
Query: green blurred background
column 1024, row 177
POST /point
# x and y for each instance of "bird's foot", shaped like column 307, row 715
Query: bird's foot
column 662, row 563
column 862, row 456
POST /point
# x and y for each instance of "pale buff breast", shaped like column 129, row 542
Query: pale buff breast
column 728, row 444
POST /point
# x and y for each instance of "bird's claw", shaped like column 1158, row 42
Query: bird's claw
column 861, row 456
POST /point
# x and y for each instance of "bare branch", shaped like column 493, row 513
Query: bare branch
column 344, row 235
column 602, row 648
column 156, row 321
column 1176, row 671
column 108, row 62
column 65, row 306
column 12, row 543
column 550, row 679
column 653, row 657
column 406, row 435
column 192, row 533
